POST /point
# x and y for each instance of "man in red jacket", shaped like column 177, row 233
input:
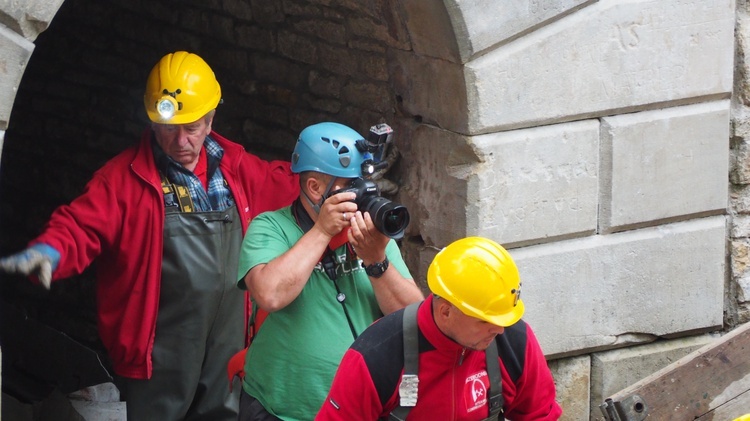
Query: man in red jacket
column 462, row 354
column 164, row 220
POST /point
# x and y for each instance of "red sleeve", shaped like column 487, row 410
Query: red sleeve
column 352, row 395
column 535, row 390
column 80, row 230
column 273, row 184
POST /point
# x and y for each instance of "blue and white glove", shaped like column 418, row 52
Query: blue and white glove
column 39, row 259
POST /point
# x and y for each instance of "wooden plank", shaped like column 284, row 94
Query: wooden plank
column 692, row 386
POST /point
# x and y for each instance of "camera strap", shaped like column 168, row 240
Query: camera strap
column 305, row 223
column 327, row 260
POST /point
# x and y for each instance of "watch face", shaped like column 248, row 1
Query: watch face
column 377, row 269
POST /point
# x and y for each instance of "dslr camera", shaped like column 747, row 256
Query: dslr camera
column 389, row 218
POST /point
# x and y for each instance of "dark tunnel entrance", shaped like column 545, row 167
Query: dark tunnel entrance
column 281, row 65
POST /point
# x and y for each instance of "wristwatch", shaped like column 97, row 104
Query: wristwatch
column 376, row 270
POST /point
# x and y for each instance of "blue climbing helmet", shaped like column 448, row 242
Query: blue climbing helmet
column 328, row 148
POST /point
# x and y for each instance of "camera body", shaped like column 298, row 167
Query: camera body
column 389, row 218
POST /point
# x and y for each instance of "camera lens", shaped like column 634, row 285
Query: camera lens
column 389, row 218
column 395, row 221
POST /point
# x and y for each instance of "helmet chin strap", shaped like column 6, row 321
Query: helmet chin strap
column 316, row 207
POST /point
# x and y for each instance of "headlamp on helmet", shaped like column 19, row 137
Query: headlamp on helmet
column 373, row 149
column 167, row 105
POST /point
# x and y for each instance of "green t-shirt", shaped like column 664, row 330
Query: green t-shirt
column 294, row 356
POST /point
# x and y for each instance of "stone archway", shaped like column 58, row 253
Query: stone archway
column 567, row 130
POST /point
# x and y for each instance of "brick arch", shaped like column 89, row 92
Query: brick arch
column 467, row 91
column 77, row 69
column 74, row 72
column 22, row 25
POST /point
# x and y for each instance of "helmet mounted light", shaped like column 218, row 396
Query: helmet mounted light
column 373, row 148
column 166, row 107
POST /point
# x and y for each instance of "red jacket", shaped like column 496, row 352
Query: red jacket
column 119, row 221
column 453, row 381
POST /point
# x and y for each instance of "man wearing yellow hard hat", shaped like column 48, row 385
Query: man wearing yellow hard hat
column 164, row 222
column 462, row 354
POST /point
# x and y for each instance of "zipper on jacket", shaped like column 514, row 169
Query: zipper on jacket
column 461, row 357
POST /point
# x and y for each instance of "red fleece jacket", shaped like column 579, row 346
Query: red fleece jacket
column 119, row 220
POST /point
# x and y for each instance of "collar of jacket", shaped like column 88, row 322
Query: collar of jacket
column 430, row 330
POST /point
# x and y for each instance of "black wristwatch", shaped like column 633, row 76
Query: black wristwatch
column 376, row 270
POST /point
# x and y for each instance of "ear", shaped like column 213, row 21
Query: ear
column 209, row 120
column 444, row 309
column 314, row 188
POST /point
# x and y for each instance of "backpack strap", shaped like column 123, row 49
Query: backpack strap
column 407, row 390
column 496, row 382
column 410, row 380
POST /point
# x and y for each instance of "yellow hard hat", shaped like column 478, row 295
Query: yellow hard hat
column 478, row 276
column 745, row 417
column 180, row 89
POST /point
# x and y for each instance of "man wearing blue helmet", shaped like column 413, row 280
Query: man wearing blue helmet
column 323, row 272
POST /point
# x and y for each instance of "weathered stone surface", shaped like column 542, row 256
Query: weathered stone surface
column 527, row 176
column 442, row 181
column 434, row 90
column 740, row 226
column 28, row 17
column 664, row 164
column 608, row 291
column 100, row 411
column 615, row 370
column 479, row 25
column 739, row 162
column 99, row 403
column 506, row 186
column 608, row 57
column 16, row 53
column 430, row 30
column 572, row 381
column 742, row 37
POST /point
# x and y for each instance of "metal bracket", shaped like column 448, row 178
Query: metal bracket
column 632, row 408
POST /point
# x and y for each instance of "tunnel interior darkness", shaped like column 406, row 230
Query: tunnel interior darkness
column 281, row 65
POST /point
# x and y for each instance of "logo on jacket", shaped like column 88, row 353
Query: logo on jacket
column 475, row 391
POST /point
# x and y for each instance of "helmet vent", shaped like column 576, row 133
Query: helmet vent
column 344, row 157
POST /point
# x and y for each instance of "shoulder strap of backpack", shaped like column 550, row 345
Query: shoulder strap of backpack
column 496, row 382
column 409, row 379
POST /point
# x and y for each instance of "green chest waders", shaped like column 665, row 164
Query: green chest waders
column 200, row 323
column 410, row 377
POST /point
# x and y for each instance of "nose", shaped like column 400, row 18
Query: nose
column 182, row 136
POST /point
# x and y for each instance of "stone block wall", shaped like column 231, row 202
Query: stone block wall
column 603, row 142
column 595, row 146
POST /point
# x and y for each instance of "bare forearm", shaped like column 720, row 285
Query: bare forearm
column 276, row 284
column 395, row 292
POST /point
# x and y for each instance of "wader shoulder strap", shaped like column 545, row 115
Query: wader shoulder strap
column 176, row 198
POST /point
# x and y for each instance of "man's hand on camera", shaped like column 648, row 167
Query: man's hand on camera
column 39, row 260
column 336, row 213
column 368, row 242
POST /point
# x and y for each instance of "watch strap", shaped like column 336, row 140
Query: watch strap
column 376, row 270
